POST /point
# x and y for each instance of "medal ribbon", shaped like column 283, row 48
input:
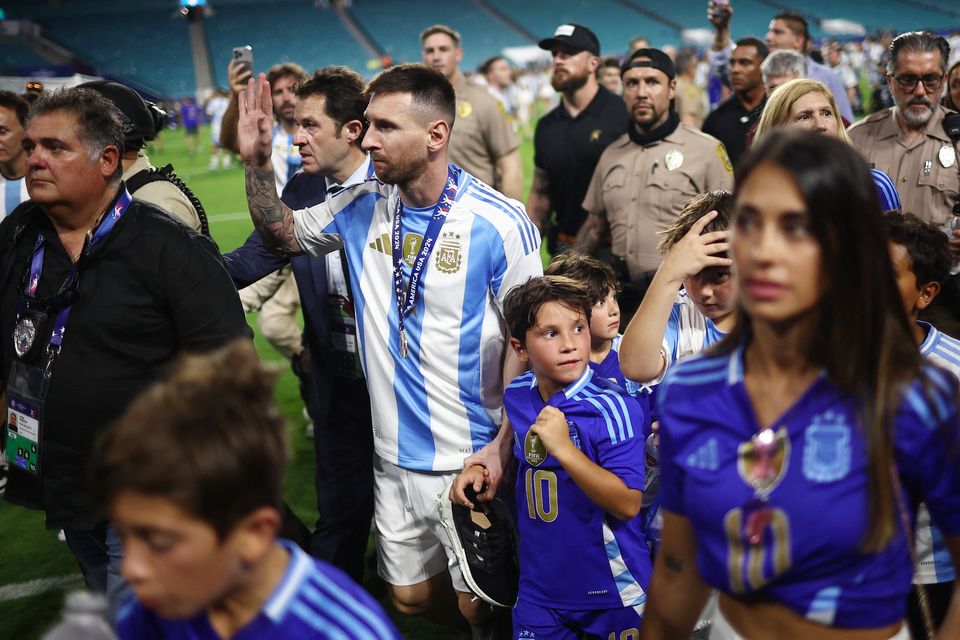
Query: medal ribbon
column 102, row 230
column 407, row 300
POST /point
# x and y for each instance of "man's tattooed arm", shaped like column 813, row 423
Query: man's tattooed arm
column 271, row 217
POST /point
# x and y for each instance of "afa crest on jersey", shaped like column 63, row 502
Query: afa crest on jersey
column 826, row 448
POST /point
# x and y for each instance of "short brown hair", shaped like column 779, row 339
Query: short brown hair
column 342, row 90
column 429, row 89
column 695, row 208
column 16, row 104
column 522, row 304
column 441, row 28
column 208, row 437
column 285, row 69
column 596, row 276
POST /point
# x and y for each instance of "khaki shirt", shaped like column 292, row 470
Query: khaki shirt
column 690, row 100
column 164, row 194
column 482, row 134
column 927, row 186
column 641, row 190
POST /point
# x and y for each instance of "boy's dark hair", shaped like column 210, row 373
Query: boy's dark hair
column 208, row 438
column 522, row 304
column 430, row 91
column 15, row 103
column 596, row 276
column 342, row 91
column 926, row 246
column 695, row 208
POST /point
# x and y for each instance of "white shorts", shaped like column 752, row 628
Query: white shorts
column 412, row 545
column 721, row 630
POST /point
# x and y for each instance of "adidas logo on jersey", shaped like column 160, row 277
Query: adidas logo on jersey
column 706, row 457
column 411, row 246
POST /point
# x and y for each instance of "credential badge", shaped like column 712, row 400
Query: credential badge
column 674, row 160
column 449, row 254
column 947, row 156
column 533, row 449
column 826, row 448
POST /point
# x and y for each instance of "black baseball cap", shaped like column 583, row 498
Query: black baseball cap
column 573, row 35
column 656, row 59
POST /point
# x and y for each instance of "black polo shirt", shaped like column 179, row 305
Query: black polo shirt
column 150, row 290
column 568, row 149
column 730, row 123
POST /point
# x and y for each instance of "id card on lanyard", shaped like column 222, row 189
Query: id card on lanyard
column 27, row 384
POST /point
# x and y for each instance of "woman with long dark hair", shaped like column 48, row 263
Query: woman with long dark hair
column 793, row 453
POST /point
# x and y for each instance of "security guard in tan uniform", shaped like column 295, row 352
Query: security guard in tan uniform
column 908, row 143
column 644, row 178
column 483, row 140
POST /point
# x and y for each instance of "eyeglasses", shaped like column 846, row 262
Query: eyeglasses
column 931, row 82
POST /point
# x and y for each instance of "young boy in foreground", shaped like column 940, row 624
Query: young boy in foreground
column 191, row 478
column 584, row 562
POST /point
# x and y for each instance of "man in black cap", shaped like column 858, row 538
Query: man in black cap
column 569, row 140
column 644, row 178
column 141, row 123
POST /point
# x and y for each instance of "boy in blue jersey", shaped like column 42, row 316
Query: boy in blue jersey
column 191, row 478
column 921, row 262
column 584, row 562
column 669, row 325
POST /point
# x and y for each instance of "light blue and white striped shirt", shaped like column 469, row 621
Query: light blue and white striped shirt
column 13, row 192
column 443, row 402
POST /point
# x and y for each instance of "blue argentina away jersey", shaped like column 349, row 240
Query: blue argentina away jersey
column 934, row 564
column 574, row 555
column 444, row 401
column 801, row 547
column 314, row 601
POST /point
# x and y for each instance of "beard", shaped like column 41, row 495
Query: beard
column 401, row 171
column 915, row 117
column 569, row 84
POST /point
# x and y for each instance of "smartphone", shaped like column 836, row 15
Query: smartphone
column 244, row 55
column 718, row 8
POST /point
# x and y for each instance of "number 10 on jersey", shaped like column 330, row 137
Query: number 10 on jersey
column 541, row 489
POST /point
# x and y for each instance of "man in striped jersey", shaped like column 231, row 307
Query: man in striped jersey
column 199, row 523
column 921, row 262
column 13, row 160
column 431, row 254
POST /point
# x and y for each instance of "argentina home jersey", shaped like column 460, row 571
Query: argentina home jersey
column 444, row 400
column 781, row 512
column 573, row 554
column 285, row 157
column 314, row 601
column 13, row 193
column 688, row 331
column 934, row 564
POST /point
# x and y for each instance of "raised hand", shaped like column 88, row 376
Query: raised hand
column 696, row 251
column 255, row 127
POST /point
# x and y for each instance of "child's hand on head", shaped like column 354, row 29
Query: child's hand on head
column 551, row 427
column 697, row 251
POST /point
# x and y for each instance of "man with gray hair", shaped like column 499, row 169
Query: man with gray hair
column 98, row 294
column 782, row 66
column 908, row 143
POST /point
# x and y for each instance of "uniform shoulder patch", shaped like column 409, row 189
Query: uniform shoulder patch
column 724, row 158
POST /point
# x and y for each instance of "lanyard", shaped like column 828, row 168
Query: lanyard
column 101, row 231
column 407, row 300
